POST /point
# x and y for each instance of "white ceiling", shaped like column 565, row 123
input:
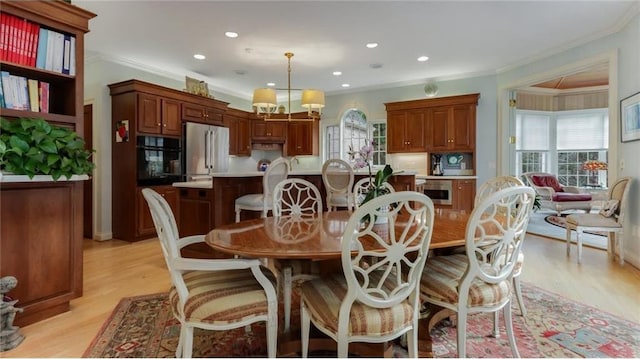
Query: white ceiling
column 462, row 39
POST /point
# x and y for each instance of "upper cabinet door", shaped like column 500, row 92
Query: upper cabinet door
column 438, row 133
column 414, row 133
column 171, row 119
column 463, row 127
column 149, row 114
column 395, row 131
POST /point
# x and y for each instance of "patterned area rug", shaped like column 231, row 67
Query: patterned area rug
column 555, row 327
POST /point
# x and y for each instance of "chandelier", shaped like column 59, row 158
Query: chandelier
column 264, row 99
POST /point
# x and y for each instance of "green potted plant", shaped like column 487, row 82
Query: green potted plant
column 35, row 147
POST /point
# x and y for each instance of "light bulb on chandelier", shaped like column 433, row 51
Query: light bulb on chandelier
column 265, row 103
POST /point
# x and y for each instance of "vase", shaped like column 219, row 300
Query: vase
column 382, row 219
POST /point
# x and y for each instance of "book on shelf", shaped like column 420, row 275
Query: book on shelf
column 66, row 54
column 44, row 97
column 41, row 55
column 6, row 88
column 1, row 94
column 34, row 102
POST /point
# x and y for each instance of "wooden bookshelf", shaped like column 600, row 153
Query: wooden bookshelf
column 42, row 221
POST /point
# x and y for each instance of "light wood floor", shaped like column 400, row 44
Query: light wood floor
column 116, row 269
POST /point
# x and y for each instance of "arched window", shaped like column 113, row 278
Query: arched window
column 352, row 133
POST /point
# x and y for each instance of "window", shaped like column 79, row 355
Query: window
column 560, row 142
column 352, row 132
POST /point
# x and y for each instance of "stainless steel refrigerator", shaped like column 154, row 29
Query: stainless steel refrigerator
column 206, row 150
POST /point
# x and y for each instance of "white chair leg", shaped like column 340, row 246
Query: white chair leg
column 568, row 241
column 509, row 326
column 187, row 350
column 579, row 231
column 305, row 324
column 611, row 244
column 619, row 239
column 238, row 214
column 180, row 342
column 496, row 320
column 518, row 289
column 286, row 273
column 343, row 347
column 272, row 330
column 412, row 341
column 462, row 333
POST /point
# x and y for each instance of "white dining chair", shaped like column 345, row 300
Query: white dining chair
column 361, row 188
column 338, row 177
column 212, row 294
column 489, row 187
column 609, row 219
column 294, row 200
column 478, row 281
column 277, row 171
column 373, row 303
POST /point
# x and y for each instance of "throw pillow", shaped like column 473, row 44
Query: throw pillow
column 547, row 181
column 609, row 208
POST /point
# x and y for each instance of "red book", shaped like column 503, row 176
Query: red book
column 4, row 37
column 44, row 97
column 13, row 39
column 33, row 46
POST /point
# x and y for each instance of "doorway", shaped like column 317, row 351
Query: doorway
column 87, row 226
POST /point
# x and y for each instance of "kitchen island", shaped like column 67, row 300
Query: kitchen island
column 205, row 205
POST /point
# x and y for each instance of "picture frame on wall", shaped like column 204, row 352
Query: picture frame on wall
column 630, row 118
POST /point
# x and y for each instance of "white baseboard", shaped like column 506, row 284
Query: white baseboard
column 102, row 236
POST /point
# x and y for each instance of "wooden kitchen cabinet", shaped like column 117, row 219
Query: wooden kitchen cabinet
column 145, row 222
column 158, row 116
column 239, row 132
column 464, row 193
column 451, row 128
column 196, row 211
column 445, row 124
column 269, row 130
column 204, row 114
column 406, row 131
column 302, row 138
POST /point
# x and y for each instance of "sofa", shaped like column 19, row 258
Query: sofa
column 556, row 196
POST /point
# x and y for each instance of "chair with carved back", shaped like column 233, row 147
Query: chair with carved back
column 373, row 303
column 212, row 294
column 361, row 188
column 478, row 281
column 294, row 201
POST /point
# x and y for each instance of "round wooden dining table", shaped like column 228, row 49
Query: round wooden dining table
column 319, row 238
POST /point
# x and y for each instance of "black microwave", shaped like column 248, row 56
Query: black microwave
column 159, row 160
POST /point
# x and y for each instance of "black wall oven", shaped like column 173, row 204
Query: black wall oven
column 159, row 160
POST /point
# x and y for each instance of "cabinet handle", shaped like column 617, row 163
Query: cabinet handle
column 158, row 124
column 165, row 125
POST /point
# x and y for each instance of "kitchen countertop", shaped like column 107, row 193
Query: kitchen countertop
column 430, row 177
column 300, row 172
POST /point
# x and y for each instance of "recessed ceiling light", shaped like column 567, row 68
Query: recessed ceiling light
column 375, row 66
column 270, row 84
column 372, row 45
column 199, row 56
column 240, row 72
column 345, row 85
column 231, row 34
column 337, row 73
column 423, row 58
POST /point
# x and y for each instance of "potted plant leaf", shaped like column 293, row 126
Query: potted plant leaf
column 35, row 147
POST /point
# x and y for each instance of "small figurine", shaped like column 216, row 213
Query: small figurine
column 10, row 336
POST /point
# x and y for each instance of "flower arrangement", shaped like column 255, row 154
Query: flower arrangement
column 364, row 158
